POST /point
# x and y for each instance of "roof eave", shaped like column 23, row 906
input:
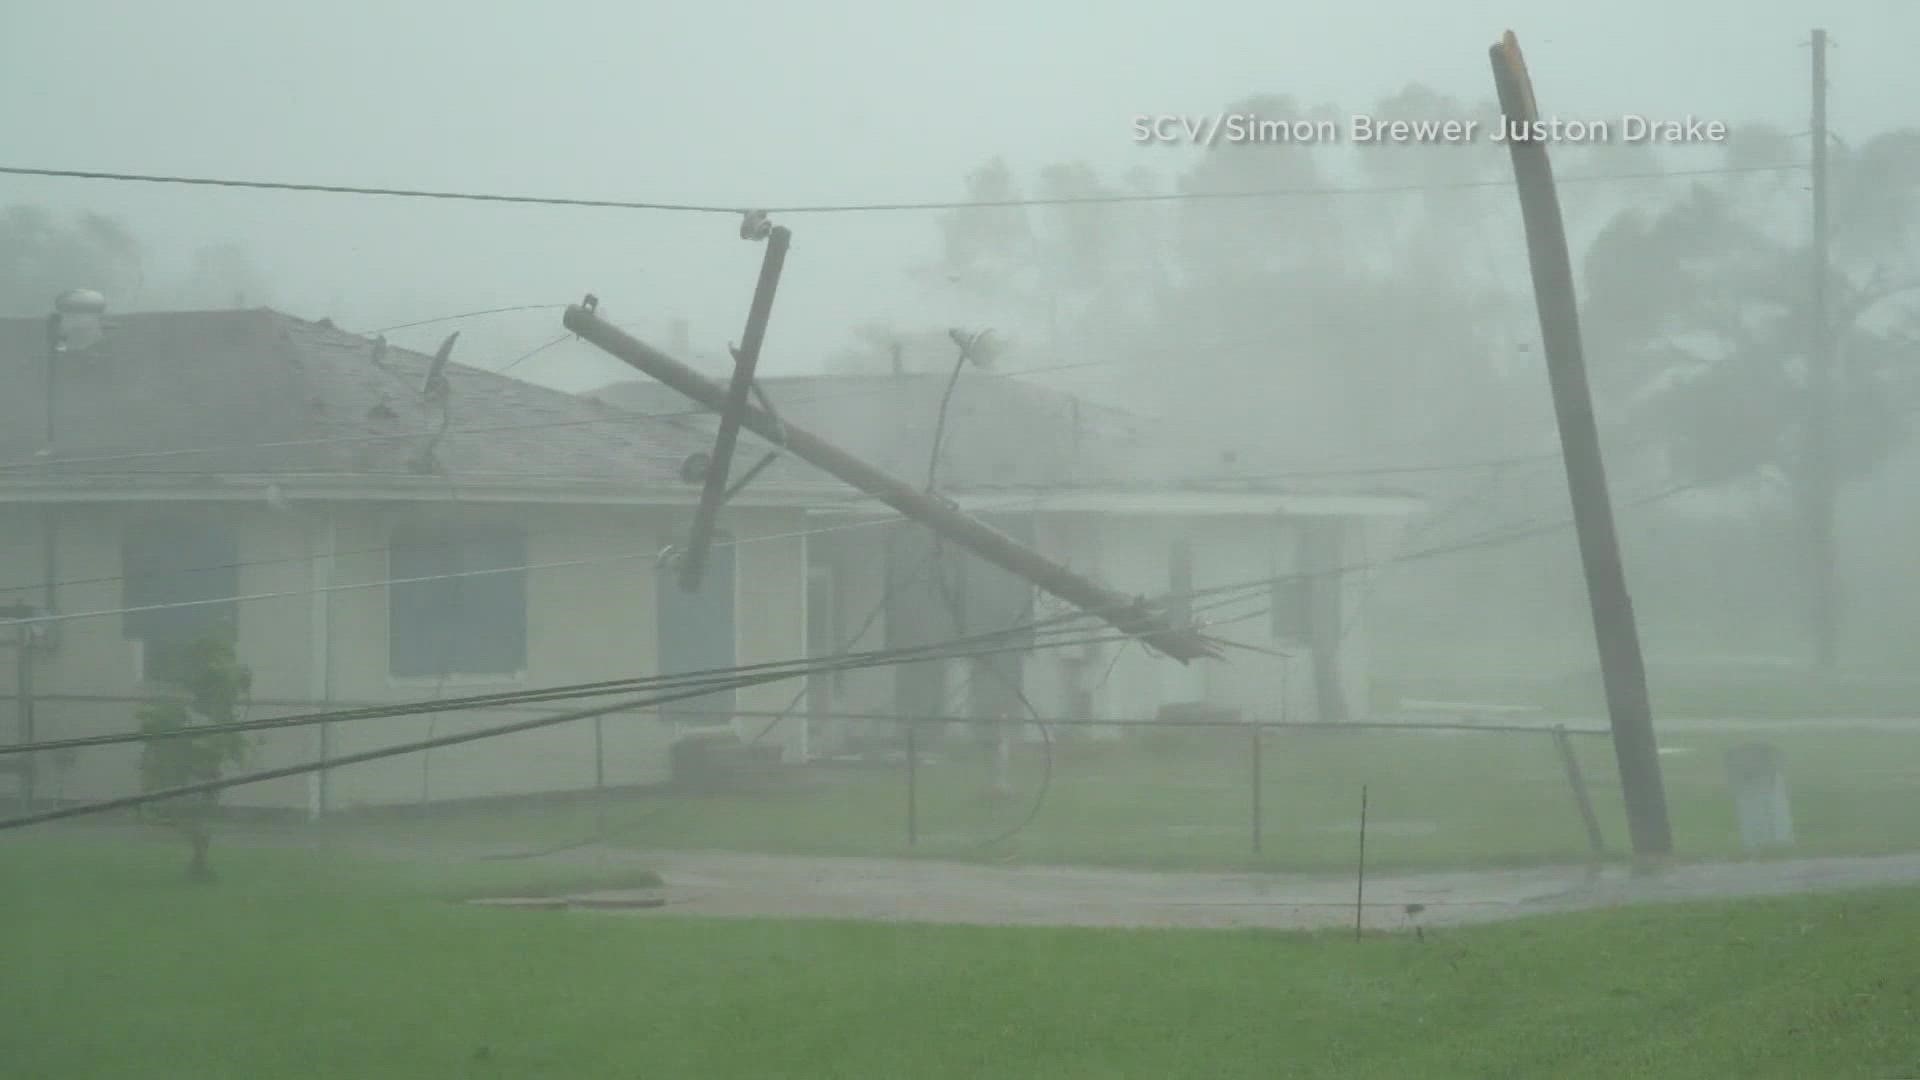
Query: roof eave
column 231, row 487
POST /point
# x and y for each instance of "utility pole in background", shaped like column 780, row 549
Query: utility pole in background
column 1818, row 497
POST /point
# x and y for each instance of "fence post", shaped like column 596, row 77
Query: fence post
column 1257, row 724
column 1578, row 782
column 913, row 825
column 599, row 754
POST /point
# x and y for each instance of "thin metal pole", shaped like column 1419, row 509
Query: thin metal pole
column 1360, row 875
column 1256, row 786
column 1622, row 668
column 1578, row 782
column 599, row 754
column 600, row 781
column 30, row 763
column 913, row 802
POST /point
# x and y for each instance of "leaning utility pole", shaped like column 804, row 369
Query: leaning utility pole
column 1130, row 615
column 746, row 359
column 1622, row 669
column 1818, row 496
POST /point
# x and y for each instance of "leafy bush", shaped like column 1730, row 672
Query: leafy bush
column 212, row 685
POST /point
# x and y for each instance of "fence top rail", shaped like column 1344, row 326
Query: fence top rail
column 895, row 718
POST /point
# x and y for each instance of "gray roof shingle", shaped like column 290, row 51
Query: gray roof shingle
column 260, row 392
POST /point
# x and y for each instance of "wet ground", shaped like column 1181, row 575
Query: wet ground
column 904, row 890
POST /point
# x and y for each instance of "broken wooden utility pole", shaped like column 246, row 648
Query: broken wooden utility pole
column 745, row 359
column 1622, row 668
column 1130, row 615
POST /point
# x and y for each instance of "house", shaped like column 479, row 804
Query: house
column 374, row 525
column 373, row 528
column 1097, row 489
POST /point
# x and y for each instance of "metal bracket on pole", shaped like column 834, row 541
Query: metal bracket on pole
column 745, row 358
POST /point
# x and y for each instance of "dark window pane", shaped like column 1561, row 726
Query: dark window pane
column 457, row 625
column 183, row 571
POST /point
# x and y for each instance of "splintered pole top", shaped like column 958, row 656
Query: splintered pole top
column 1514, row 83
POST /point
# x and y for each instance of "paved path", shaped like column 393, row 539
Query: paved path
column 730, row 884
column 900, row 890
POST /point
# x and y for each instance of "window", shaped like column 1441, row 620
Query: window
column 475, row 624
column 696, row 630
column 184, row 572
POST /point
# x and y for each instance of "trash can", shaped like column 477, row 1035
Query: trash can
column 1759, row 787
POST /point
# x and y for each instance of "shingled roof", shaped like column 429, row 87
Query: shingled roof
column 258, row 392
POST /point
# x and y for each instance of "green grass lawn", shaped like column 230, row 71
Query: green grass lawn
column 298, row 965
column 1434, row 801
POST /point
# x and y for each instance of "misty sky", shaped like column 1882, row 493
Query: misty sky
column 835, row 102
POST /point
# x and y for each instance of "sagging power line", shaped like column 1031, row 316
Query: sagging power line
column 959, row 647
column 1321, row 191
column 534, row 724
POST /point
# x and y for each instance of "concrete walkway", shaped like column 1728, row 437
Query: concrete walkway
column 746, row 885
column 739, row 885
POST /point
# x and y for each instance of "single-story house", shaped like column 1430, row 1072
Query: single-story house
column 374, row 527
column 1093, row 488
column 373, row 531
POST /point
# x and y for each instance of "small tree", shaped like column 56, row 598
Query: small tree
column 213, row 683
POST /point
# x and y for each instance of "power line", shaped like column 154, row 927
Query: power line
column 625, row 417
column 530, row 354
column 712, row 686
column 705, row 208
column 1489, row 538
column 1322, row 473
column 464, row 315
column 352, row 586
column 516, row 727
column 1029, row 502
column 1486, row 539
column 712, row 677
column 1399, row 470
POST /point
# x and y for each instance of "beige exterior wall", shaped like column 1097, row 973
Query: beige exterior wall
column 316, row 641
column 1130, row 553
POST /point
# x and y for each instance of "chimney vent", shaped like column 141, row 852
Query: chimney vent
column 80, row 302
column 76, row 325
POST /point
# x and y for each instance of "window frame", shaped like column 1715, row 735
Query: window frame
column 210, row 521
column 396, row 531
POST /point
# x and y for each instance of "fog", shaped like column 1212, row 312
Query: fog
column 1295, row 393
column 1327, row 339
